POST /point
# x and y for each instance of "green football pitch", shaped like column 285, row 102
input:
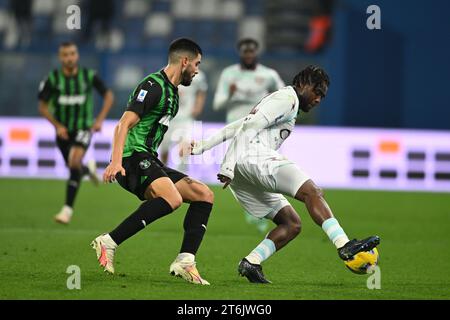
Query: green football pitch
column 35, row 252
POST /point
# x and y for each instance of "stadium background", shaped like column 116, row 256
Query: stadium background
column 406, row 60
column 395, row 78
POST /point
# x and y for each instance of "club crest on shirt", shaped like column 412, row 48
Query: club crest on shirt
column 144, row 164
column 259, row 80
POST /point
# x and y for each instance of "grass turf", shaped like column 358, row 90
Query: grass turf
column 35, row 252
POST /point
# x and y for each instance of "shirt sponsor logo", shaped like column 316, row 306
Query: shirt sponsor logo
column 72, row 100
column 141, row 95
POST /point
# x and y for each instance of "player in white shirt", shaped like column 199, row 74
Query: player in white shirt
column 259, row 176
column 192, row 100
column 241, row 86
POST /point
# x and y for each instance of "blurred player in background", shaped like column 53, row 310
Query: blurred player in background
column 241, row 86
column 66, row 101
column 259, row 176
column 135, row 164
column 192, row 100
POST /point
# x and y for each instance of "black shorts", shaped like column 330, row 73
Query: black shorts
column 81, row 138
column 141, row 169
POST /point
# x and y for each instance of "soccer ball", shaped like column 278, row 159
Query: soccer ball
column 363, row 262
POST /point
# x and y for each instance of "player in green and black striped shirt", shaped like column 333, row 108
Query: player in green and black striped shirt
column 65, row 99
column 136, row 167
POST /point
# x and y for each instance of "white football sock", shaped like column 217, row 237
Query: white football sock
column 335, row 232
column 262, row 252
column 187, row 257
column 68, row 210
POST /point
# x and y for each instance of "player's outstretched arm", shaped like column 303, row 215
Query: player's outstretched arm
column 128, row 121
column 268, row 112
column 249, row 129
column 224, row 134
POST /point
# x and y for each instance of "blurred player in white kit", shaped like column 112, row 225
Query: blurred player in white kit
column 241, row 86
column 191, row 103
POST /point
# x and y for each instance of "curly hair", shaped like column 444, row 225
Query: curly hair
column 315, row 77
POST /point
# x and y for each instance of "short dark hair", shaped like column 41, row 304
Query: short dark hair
column 65, row 44
column 315, row 77
column 247, row 41
column 184, row 45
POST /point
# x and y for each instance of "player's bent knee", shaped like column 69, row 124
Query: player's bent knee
column 289, row 219
column 208, row 195
column 295, row 228
column 203, row 193
column 164, row 188
column 174, row 200
column 307, row 190
column 317, row 192
column 295, row 225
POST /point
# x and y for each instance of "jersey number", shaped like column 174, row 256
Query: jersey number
column 83, row 137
